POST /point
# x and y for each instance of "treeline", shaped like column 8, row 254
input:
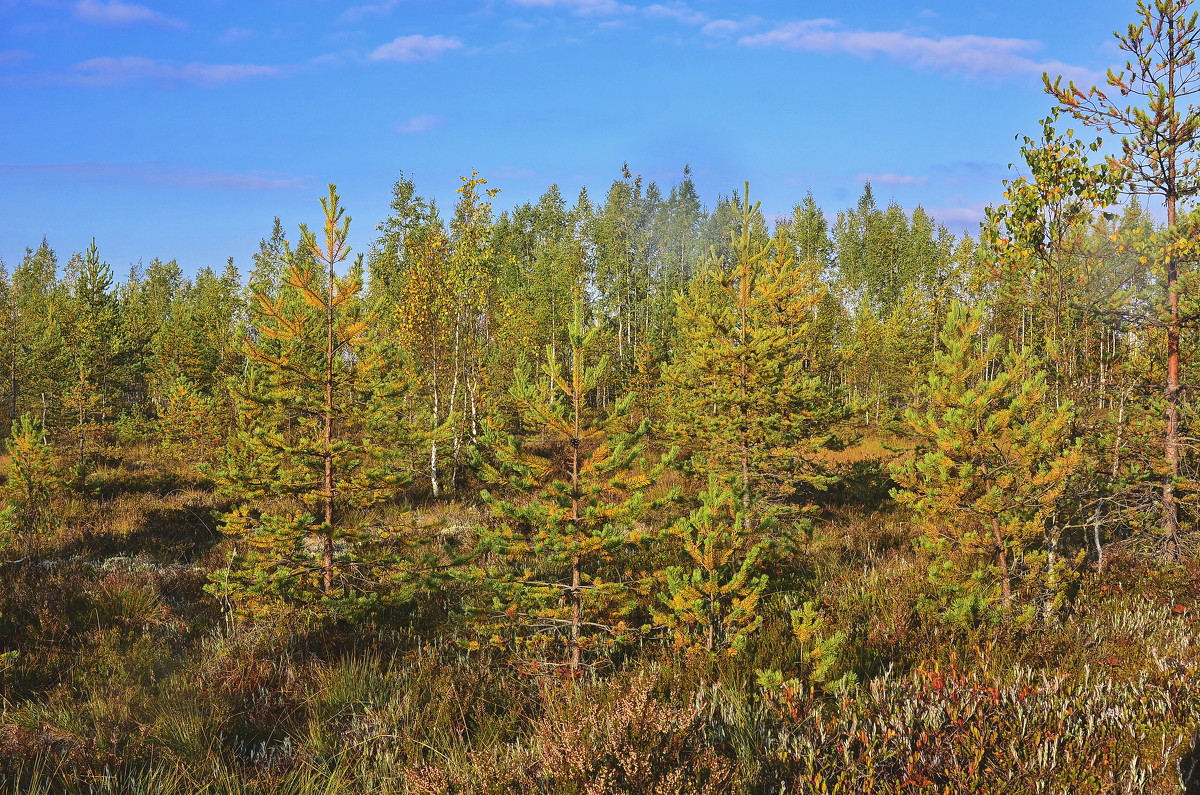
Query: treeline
column 504, row 352
column 497, row 287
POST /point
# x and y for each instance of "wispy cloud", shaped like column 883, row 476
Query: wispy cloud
column 154, row 174
column 960, row 218
column 13, row 56
column 891, row 179
column 581, row 7
column 115, row 12
column 416, row 48
column 420, row 124
column 970, row 55
column 370, row 9
column 130, row 69
column 677, row 11
column 728, row 27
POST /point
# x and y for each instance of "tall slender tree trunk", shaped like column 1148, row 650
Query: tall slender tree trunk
column 576, row 562
column 81, row 421
column 12, row 378
column 435, row 485
column 1113, row 472
column 454, row 428
column 576, row 615
column 1170, row 518
column 327, row 453
column 743, row 392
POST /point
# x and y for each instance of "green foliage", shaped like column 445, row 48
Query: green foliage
column 192, row 423
column 712, row 602
column 1037, row 243
column 825, row 648
column 32, row 481
column 992, row 458
column 440, row 312
column 1159, row 142
column 1159, row 139
column 320, row 424
column 893, row 276
column 197, row 342
column 742, row 404
column 540, row 250
column 572, row 509
column 94, row 344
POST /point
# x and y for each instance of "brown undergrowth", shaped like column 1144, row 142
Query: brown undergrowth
column 119, row 673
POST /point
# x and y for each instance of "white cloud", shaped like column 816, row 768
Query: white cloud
column 972, row 55
column 580, row 7
column 676, row 11
column 960, row 218
column 416, row 48
column 891, row 179
column 727, row 27
column 115, row 12
column 420, row 124
column 360, row 12
column 117, row 71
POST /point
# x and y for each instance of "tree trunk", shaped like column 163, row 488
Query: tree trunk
column 454, row 429
column 576, row 580
column 1051, row 573
column 1170, row 518
column 1002, row 564
column 435, row 485
column 576, row 617
column 327, row 454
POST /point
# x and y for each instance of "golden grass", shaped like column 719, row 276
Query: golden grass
column 868, row 448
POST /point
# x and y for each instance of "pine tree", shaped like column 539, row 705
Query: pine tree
column 320, row 419
column 743, row 404
column 40, row 366
column 193, row 424
column 568, row 501
column 146, row 304
column 711, row 601
column 94, row 341
column 199, row 344
column 991, row 461
column 31, row 481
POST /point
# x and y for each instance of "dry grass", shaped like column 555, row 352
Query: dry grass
column 118, row 675
column 883, row 449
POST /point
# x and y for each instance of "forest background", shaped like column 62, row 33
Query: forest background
column 626, row 494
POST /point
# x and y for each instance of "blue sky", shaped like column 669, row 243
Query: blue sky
column 181, row 129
